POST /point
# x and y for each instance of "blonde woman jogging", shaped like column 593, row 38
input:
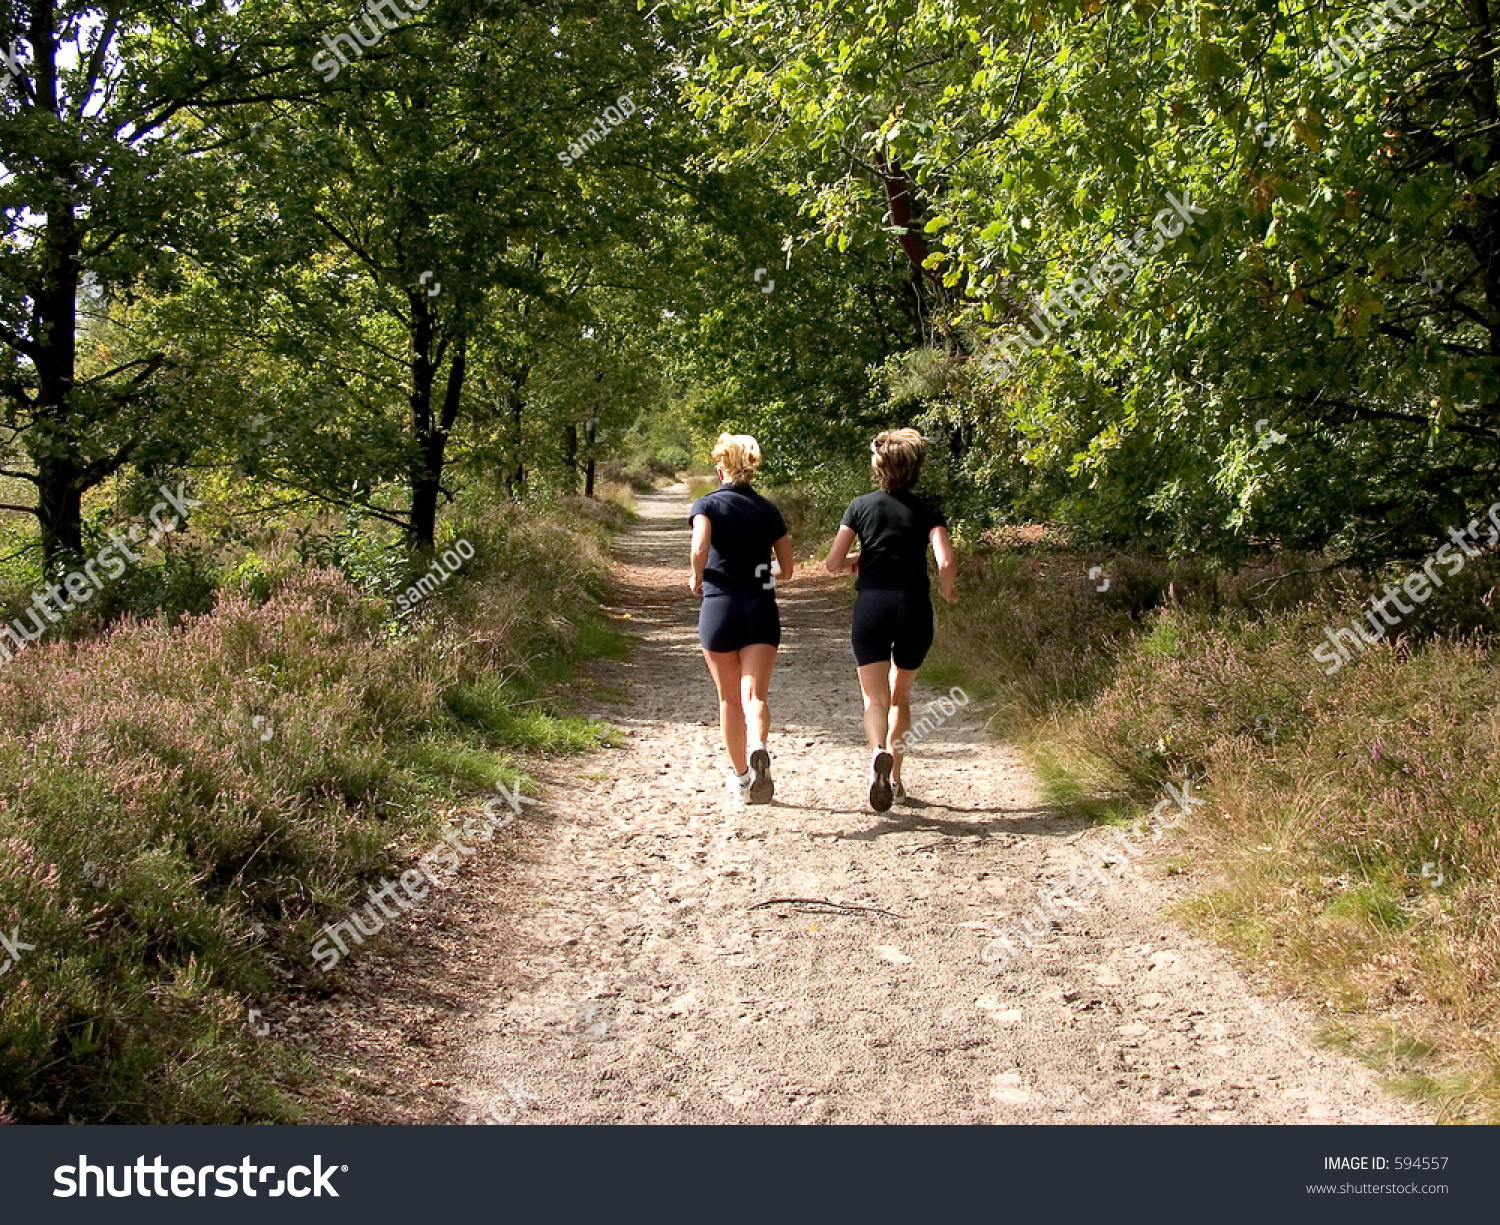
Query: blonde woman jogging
column 735, row 534
column 893, row 610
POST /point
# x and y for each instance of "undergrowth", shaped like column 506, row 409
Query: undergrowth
column 1351, row 836
column 185, row 799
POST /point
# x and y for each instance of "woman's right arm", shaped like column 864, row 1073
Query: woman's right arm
column 783, row 551
column 703, row 534
column 947, row 563
column 838, row 560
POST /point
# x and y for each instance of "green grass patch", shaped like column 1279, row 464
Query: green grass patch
column 939, row 672
column 1369, row 903
column 497, row 710
column 597, row 639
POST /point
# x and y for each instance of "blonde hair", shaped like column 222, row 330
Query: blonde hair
column 739, row 456
column 896, row 456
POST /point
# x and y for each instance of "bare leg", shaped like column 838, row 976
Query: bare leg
column 900, row 717
column 756, row 662
column 725, row 668
column 875, row 685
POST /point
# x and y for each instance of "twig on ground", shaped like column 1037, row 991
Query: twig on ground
column 819, row 901
column 944, row 842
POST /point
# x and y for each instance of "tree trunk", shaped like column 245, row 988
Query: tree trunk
column 570, row 456
column 59, row 479
column 515, row 394
column 519, row 484
column 52, row 443
column 59, row 508
column 431, row 434
column 923, row 291
column 588, row 479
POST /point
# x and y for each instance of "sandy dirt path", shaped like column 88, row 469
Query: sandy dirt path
column 643, row 984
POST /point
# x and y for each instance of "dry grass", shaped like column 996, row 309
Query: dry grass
column 1336, row 800
column 183, row 805
column 616, row 494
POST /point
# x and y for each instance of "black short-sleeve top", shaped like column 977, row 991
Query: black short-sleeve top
column 745, row 526
column 893, row 530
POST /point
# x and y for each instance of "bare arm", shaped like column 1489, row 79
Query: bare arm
column 942, row 546
column 703, row 533
column 783, row 550
column 838, row 560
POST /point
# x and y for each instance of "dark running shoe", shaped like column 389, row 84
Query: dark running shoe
column 761, row 786
column 880, row 780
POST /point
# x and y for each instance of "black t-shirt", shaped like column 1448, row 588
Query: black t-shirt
column 745, row 526
column 893, row 531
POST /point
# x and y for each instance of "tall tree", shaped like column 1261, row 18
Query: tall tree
column 1307, row 351
column 442, row 189
column 99, row 158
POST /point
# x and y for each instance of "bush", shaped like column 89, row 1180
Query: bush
column 1336, row 800
column 813, row 511
column 184, row 806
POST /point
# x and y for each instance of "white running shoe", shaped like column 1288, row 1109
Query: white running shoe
column 736, row 787
column 880, row 780
column 761, row 787
column 898, row 793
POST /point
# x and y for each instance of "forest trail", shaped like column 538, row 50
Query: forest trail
column 644, row 981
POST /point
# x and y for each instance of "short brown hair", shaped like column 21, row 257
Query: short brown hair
column 739, row 456
column 896, row 456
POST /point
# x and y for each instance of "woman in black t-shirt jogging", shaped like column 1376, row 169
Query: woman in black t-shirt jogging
column 893, row 610
column 735, row 534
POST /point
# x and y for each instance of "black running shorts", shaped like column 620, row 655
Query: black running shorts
column 732, row 622
column 892, row 625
